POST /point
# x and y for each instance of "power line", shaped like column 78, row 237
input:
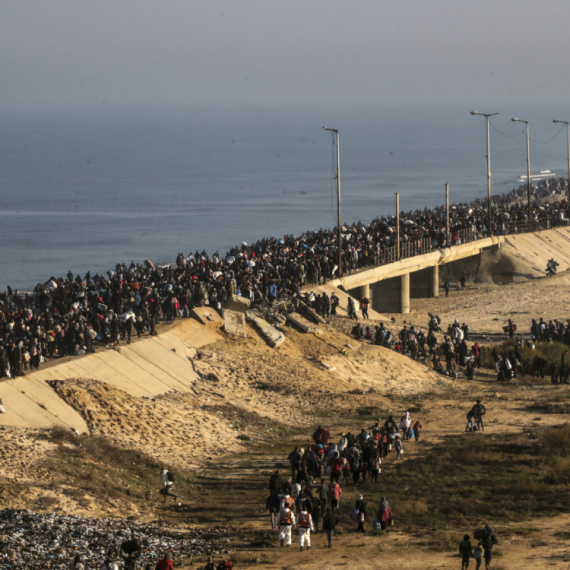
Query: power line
column 504, row 134
column 544, row 142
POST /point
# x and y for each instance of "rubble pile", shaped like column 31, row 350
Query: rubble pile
column 40, row 541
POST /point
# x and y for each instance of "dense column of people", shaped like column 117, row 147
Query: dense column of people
column 73, row 315
column 314, row 490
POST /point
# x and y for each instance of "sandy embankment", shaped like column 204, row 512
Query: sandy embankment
column 185, row 396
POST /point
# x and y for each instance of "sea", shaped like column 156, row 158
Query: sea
column 85, row 189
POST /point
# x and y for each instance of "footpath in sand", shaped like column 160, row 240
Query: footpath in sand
column 224, row 412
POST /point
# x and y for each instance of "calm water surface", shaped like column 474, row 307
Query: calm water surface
column 84, row 191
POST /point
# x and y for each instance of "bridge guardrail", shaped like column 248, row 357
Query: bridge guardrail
column 416, row 247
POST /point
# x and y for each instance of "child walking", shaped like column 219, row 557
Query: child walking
column 478, row 555
column 399, row 447
column 465, row 551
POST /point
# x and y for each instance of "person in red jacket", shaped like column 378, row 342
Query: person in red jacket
column 165, row 563
column 334, row 496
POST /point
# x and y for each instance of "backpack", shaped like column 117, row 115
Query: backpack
column 170, row 476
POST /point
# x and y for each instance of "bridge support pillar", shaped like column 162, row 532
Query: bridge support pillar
column 405, row 293
column 364, row 291
column 392, row 295
column 425, row 283
column 435, row 281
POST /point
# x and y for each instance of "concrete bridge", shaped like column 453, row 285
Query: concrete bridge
column 391, row 285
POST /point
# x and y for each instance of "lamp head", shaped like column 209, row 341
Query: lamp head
column 514, row 119
column 474, row 112
column 556, row 121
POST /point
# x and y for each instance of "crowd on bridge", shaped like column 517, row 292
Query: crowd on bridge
column 72, row 315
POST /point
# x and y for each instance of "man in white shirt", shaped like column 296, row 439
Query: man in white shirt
column 286, row 523
column 305, row 524
column 167, row 483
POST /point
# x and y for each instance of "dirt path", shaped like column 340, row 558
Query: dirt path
column 235, row 488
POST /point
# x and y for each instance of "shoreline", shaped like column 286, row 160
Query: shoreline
column 513, row 197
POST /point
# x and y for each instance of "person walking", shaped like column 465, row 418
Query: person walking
column 322, row 494
column 329, row 524
column 480, row 411
column 478, row 555
column 417, row 430
column 465, row 551
column 352, row 309
column 335, row 302
column 334, row 495
column 364, row 302
column 165, row 563
column 286, row 523
column 360, row 507
column 272, row 505
column 563, row 374
column 487, row 544
column 384, row 514
column 399, row 447
column 167, row 483
column 305, row 526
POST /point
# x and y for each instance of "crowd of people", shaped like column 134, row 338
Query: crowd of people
column 353, row 460
column 454, row 352
column 73, row 315
column 424, row 346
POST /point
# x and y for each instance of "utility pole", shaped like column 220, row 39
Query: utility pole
column 568, row 137
column 527, row 166
column 339, row 224
column 487, row 115
column 399, row 253
column 447, row 214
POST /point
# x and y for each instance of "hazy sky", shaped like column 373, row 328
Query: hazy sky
column 117, row 53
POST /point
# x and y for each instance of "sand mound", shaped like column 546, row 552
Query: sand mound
column 524, row 257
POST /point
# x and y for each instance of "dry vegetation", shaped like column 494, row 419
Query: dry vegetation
column 252, row 404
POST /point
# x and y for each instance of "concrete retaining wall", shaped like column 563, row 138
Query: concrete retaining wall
column 149, row 367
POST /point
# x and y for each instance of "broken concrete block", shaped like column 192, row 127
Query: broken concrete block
column 238, row 304
column 271, row 335
column 303, row 324
column 310, row 313
column 234, row 323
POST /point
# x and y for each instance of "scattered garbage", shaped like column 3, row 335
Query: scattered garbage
column 37, row 541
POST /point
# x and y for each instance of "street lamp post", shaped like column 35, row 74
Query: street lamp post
column 398, row 246
column 335, row 131
column 514, row 119
column 568, row 136
column 487, row 115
